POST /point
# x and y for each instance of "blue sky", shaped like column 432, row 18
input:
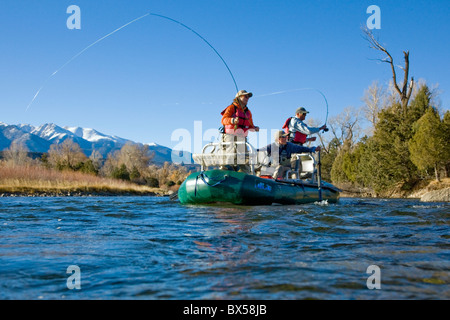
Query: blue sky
column 153, row 77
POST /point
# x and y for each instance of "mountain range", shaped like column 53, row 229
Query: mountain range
column 39, row 139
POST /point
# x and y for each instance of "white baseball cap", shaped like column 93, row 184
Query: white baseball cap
column 244, row 93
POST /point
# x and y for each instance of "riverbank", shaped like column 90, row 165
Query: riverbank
column 78, row 193
column 430, row 190
column 42, row 182
column 434, row 191
column 84, row 192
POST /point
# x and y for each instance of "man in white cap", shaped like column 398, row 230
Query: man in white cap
column 298, row 130
column 237, row 121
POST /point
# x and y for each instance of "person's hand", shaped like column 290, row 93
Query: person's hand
column 256, row 129
column 234, row 120
column 312, row 139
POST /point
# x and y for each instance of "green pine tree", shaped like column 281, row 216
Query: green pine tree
column 446, row 146
column 429, row 145
column 328, row 157
column 387, row 156
column 120, row 173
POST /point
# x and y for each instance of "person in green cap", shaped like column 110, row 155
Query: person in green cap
column 298, row 130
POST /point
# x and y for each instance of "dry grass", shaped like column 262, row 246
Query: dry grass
column 444, row 183
column 37, row 179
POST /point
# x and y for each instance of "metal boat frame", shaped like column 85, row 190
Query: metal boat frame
column 217, row 157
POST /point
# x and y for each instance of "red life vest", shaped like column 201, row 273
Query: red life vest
column 244, row 122
column 298, row 136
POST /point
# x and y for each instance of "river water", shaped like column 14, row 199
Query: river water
column 155, row 248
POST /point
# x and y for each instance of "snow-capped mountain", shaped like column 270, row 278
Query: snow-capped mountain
column 39, row 139
column 10, row 133
column 93, row 135
column 55, row 134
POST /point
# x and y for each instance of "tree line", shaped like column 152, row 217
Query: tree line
column 133, row 162
column 406, row 141
column 403, row 145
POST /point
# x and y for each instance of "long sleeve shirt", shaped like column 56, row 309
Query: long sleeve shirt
column 230, row 112
column 298, row 125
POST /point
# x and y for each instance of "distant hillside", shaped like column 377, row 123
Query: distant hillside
column 39, row 139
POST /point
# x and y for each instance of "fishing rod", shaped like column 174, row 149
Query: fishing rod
column 326, row 102
column 120, row 28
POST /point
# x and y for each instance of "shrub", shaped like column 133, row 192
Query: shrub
column 120, row 173
column 152, row 182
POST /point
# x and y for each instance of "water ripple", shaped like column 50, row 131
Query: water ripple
column 153, row 248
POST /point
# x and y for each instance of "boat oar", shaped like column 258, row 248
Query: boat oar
column 319, row 177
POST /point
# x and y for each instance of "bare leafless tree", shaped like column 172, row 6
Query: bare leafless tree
column 406, row 90
column 97, row 159
column 374, row 99
column 17, row 154
column 345, row 126
column 133, row 156
column 65, row 155
column 323, row 141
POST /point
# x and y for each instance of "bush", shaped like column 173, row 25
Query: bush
column 135, row 174
column 121, row 173
column 88, row 167
column 170, row 183
column 152, row 182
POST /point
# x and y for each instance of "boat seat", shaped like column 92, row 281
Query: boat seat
column 210, row 159
column 267, row 171
column 308, row 169
column 216, row 159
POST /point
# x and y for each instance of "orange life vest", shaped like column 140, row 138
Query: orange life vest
column 297, row 137
column 244, row 122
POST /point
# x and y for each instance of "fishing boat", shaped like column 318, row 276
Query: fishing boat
column 214, row 184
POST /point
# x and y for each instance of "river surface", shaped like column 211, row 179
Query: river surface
column 155, row 248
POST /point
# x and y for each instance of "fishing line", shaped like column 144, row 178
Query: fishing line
column 127, row 24
column 300, row 89
column 197, row 34
column 78, row 54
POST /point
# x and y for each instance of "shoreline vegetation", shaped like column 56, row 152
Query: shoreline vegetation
column 29, row 181
column 426, row 187
column 66, row 171
column 38, row 181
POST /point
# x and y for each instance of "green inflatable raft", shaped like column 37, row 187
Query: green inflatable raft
column 224, row 186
